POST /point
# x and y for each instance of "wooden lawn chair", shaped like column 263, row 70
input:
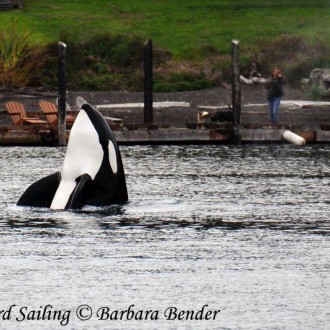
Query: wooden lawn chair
column 50, row 111
column 18, row 115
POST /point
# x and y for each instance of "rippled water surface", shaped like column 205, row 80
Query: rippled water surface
column 242, row 229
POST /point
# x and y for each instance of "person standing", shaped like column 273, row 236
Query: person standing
column 274, row 93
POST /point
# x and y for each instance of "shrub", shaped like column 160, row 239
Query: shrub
column 19, row 62
column 181, row 81
column 296, row 56
column 317, row 92
column 101, row 62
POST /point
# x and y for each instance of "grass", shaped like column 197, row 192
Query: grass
column 182, row 27
column 196, row 33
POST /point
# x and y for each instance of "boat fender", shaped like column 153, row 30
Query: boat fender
column 293, row 138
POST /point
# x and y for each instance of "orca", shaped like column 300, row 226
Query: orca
column 92, row 172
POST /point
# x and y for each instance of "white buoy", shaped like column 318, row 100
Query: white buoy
column 293, row 138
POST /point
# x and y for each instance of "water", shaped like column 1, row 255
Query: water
column 242, row 229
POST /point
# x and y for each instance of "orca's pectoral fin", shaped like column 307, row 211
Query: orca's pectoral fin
column 77, row 196
column 41, row 192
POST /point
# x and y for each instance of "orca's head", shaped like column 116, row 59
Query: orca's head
column 90, row 140
column 100, row 125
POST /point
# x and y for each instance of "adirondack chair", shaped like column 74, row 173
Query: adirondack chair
column 50, row 111
column 18, row 115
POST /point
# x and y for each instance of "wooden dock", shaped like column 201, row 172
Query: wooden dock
column 27, row 135
column 215, row 135
column 176, row 122
column 152, row 134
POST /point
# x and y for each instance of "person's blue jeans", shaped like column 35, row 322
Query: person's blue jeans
column 274, row 107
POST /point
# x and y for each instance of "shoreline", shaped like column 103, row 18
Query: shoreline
column 181, row 111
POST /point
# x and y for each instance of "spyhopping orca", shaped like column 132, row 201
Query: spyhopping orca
column 92, row 171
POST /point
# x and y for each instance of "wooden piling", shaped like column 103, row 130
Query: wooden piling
column 236, row 88
column 61, row 94
column 148, row 83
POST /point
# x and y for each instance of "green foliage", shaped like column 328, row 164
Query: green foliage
column 19, row 62
column 295, row 55
column 107, row 49
column 12, row 46
column 196, row 32
column 182, row 27
column 101, row 62
column 314, row 93
column 317, row 92
column 181, row 81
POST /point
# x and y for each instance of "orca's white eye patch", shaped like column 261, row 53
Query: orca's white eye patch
column 112, row 157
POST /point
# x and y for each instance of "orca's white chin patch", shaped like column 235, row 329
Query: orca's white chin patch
column 84, row 156
column 63, row 194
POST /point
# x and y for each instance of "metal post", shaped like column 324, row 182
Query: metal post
column 236, row 87
column 61, row 94
column 148, row 83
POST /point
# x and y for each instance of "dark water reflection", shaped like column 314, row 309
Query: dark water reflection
column 244, row 229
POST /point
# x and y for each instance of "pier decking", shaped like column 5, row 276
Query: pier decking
column 175, row 121
column 28, row 135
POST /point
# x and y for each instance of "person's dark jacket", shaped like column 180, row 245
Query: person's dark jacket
column 274, row 88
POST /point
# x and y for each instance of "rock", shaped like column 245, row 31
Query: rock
column 321, row 78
